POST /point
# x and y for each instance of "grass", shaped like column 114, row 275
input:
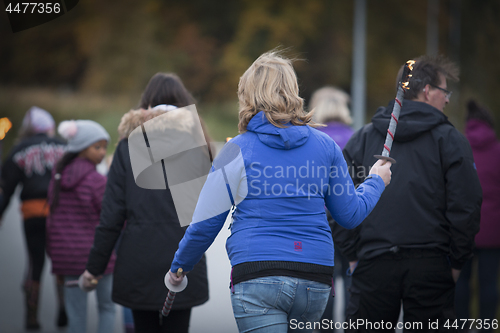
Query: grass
column 221, row 119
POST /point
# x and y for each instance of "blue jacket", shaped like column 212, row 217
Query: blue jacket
column 280, row 180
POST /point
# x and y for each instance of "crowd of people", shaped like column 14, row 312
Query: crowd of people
column 307, row 199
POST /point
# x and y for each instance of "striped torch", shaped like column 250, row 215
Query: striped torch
column 172, row 290
column 391, row 131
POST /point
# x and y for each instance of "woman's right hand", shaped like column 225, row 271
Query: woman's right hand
column 383, row 169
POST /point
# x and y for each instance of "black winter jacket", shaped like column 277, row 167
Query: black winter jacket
column 30, row 163
column 434, row 199
column 150, row 238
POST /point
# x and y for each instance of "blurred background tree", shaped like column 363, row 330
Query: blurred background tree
column 94, row 61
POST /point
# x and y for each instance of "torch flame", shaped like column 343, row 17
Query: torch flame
column 407, row 72
column 5, row 126
column 410, row 64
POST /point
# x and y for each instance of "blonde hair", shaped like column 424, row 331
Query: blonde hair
column 270, row 85
column 330, row 104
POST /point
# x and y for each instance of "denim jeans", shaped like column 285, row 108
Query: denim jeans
column 277, row 303
column 76, row 306
column 341, row 266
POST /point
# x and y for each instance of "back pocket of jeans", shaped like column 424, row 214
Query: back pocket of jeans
column 317, row 298
column 260, row 295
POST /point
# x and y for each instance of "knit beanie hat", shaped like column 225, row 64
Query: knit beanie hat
column 475, row 111
column 81, row 134
column 37, row 120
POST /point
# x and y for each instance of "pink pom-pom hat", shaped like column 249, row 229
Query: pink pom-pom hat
column 67, row 129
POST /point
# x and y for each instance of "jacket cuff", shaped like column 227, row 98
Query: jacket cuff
column 175, row 266
column 93, row 271
column 377, row 180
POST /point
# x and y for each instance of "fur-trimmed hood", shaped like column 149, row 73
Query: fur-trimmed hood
column 134, row 118
column 183, row 122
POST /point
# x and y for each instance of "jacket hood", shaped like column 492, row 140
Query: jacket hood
column 480, row 134
column 415, row 119
column 75, row 172
column 281, row 138
column 134, row 118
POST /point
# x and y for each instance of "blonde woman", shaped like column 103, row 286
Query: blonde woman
column 331, row 107
column 279, row 174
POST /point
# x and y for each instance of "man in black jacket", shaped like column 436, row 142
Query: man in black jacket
column 412, row 246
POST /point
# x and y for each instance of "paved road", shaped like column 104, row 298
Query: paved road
column 215, row 316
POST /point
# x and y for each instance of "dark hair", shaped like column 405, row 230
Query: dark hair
column 426, row 71
column 61, row 164
column 475, row 111
column 165, row 88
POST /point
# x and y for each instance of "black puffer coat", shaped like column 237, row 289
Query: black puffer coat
column 150, row 238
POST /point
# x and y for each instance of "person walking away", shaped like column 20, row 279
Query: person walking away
column 411, row 248
column 278, row 175
column 75, row 195
column 149, row 225
column 331, row 108
column 480, row 132
column 30, row 164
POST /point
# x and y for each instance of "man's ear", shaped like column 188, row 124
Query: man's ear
column 425, row 92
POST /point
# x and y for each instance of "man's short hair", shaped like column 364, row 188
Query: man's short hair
column 426, row 71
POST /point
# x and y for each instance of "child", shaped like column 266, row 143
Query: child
column 75, row 195
column 30, row 163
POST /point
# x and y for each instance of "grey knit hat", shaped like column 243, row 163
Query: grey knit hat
column 81, row 134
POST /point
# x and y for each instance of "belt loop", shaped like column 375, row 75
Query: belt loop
column 333, row 288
